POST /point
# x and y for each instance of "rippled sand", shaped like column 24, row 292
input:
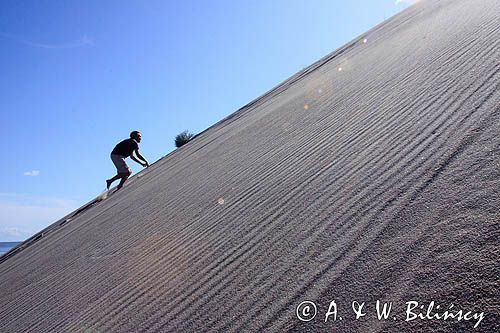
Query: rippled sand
column 374, row 174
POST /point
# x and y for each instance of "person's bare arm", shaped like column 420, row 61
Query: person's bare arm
column 145, row 164
column 136, row 160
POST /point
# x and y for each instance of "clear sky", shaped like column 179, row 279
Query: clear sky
column 78, row 76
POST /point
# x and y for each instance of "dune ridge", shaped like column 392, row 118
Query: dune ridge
column 373, row 174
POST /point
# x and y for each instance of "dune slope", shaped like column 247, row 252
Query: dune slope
column 373, row 174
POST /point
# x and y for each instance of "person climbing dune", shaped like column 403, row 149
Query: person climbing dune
column 123, row 150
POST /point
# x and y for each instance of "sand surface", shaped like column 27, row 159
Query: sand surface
column 379, row 181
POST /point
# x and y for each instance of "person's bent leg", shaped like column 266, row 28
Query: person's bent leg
column 110, row 181
column 122, row 168
column 124, row 177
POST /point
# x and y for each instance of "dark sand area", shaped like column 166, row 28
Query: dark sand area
column 379, row 181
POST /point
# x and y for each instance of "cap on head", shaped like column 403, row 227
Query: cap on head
column 134, row 134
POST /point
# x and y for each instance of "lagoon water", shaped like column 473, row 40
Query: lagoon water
column 6, row 246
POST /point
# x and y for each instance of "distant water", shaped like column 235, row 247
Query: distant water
column 6, row 246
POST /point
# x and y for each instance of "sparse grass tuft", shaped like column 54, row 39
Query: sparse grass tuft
column 183, row 138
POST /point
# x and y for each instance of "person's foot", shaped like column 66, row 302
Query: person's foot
column 108, row 183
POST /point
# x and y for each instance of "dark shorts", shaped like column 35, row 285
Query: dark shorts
column 121, row 165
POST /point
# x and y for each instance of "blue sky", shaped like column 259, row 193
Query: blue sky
column 78, row 76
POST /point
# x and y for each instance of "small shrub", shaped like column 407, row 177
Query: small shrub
column 183, row 138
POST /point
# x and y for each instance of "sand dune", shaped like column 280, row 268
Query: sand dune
column 379, row 181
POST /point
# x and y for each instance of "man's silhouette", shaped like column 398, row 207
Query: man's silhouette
column 123, row 150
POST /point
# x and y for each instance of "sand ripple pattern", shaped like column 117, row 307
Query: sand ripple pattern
column 380, row 181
